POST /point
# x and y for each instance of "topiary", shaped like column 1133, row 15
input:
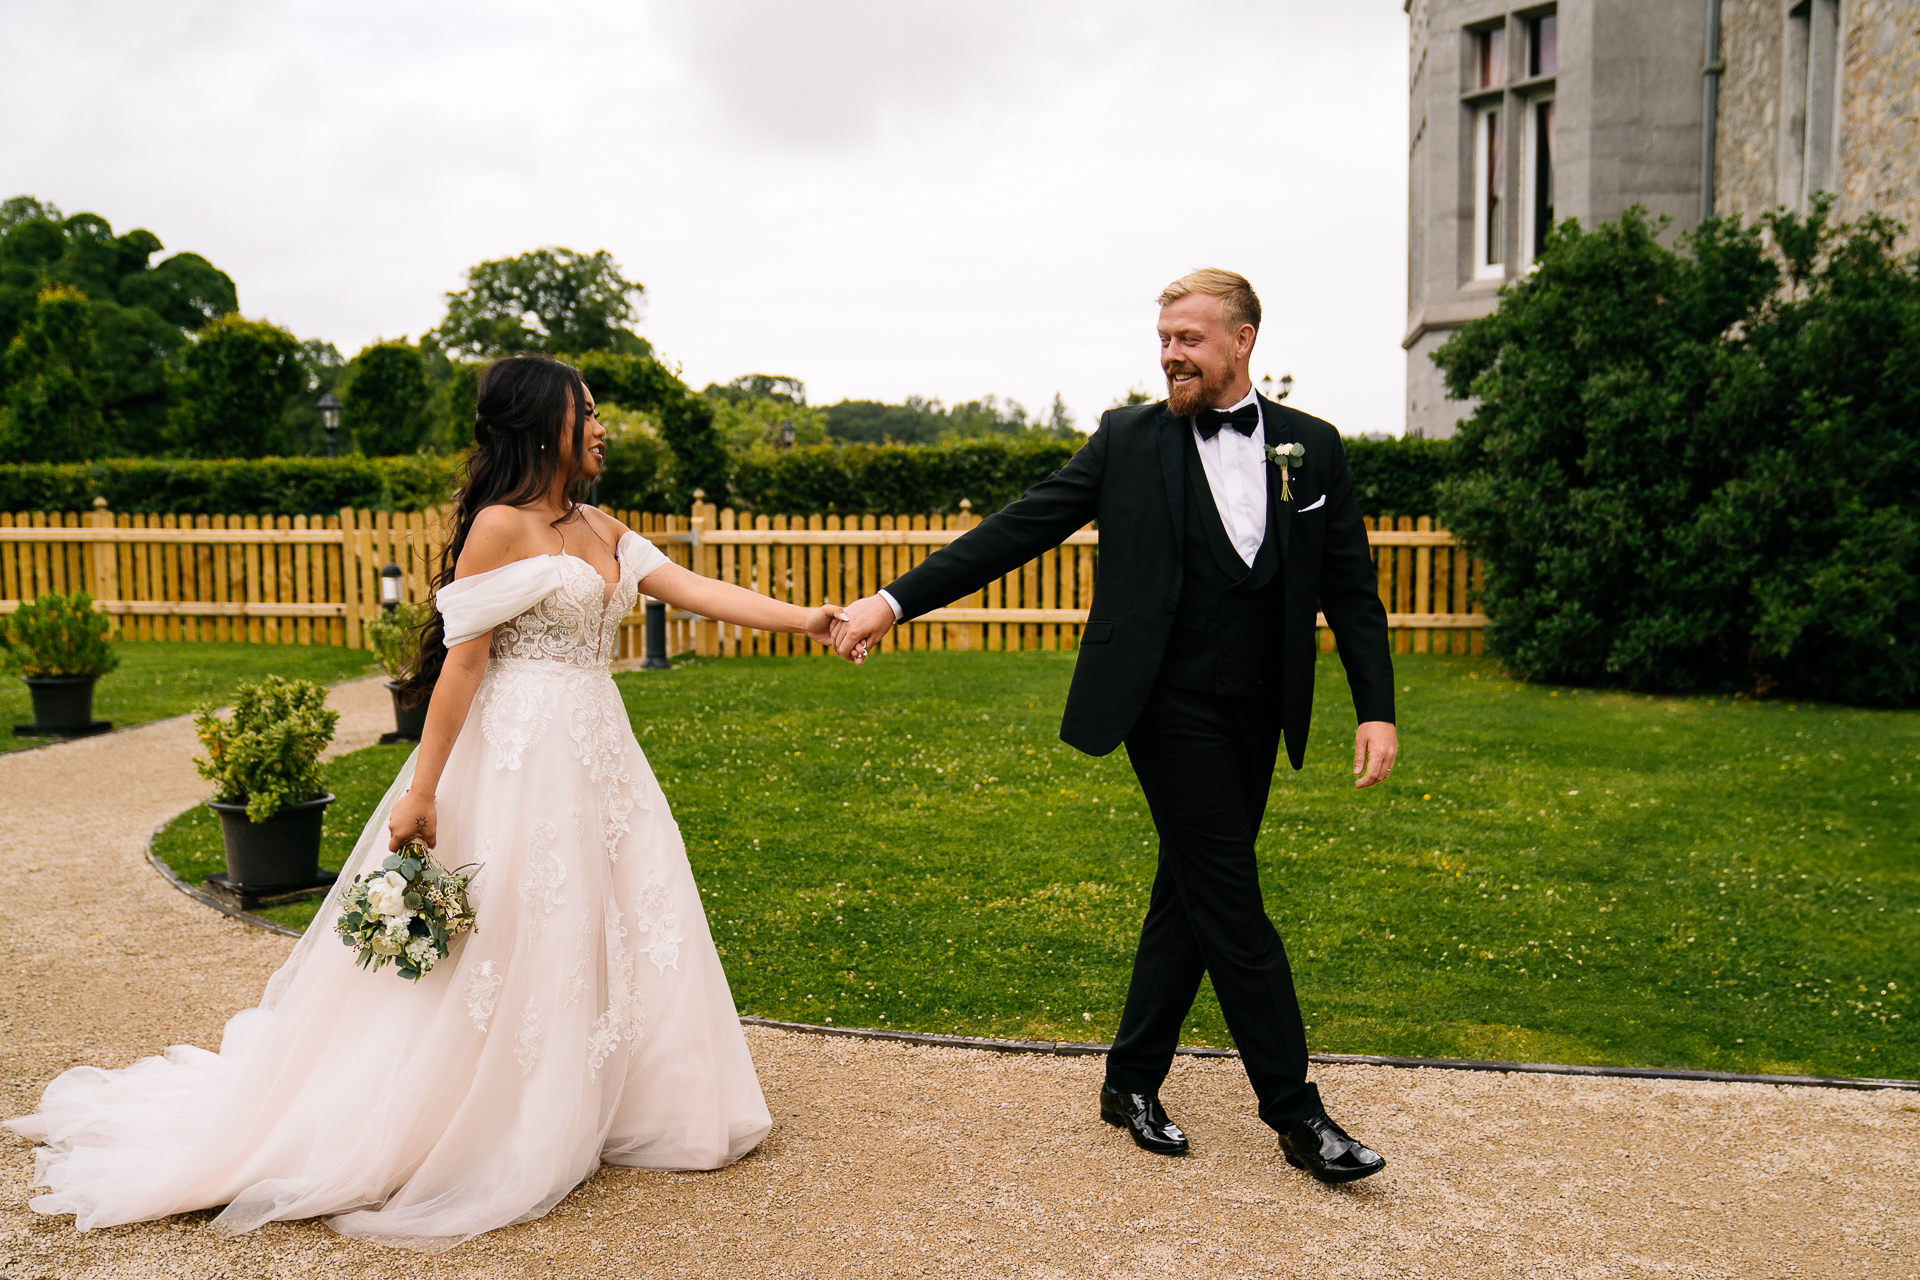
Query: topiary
column 268, row 753
column 58, row 635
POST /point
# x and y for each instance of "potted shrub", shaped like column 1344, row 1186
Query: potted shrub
column 59, row 646
column 264, row 762
column 395, row 636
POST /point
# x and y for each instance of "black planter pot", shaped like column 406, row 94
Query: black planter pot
column 408, row 722
column 270, row 859
column 62, row 708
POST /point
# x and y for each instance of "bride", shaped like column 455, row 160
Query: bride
column 586, row 1019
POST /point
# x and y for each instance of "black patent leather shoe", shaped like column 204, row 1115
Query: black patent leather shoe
column 1142, row 1115
column 1327, row 1151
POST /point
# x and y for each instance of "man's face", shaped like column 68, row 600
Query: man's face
column 1200, row 358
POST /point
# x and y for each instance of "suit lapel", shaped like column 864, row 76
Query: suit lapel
column 1279, row 514
column 1173, row 469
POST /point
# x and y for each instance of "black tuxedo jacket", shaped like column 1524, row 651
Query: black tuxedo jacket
column 1131, row 477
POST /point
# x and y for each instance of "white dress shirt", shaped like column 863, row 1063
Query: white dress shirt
column 1236, row 468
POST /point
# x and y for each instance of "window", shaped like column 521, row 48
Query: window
column 1543, row 48
column 1489, row 180
column 1810, row 92
column 1490, row 50
column 1536, row 178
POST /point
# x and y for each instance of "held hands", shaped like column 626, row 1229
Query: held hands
column 1375, row 744
column 861, row 625
column 822, row 621
column 413, row 817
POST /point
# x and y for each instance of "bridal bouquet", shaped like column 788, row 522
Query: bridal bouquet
column 409, row 912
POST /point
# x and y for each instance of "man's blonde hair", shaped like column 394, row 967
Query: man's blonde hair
column 1239, row 304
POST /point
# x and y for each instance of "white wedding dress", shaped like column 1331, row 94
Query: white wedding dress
column 586, row 1019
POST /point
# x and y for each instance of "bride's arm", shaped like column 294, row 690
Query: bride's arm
column 414, row 815
column 711, row 598
column 498, row 537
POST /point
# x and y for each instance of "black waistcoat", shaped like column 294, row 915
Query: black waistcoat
column 1227, row 633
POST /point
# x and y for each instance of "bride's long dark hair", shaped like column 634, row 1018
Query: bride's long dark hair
column 525, row 408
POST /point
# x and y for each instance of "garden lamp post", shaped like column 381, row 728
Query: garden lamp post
column 390, row 587
column 786, row 437
column 656, row 659
column 330, row 418
column 1286, row 387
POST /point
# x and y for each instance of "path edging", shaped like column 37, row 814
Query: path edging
column 202, row 896
column 1075, row 1048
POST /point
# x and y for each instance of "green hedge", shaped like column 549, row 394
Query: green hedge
column 1389, row 476
column 1398, row 476
column 259, row 486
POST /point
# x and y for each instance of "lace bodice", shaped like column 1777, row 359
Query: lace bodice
column 578, row 623
column 552, row 608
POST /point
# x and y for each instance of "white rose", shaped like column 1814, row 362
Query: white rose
column 388, row 894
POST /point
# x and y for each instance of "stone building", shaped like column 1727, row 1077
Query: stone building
column 1523, row 114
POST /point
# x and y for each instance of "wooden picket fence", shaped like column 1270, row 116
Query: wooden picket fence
column 316, row 580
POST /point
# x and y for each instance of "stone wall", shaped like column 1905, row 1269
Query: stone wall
column 1878, row 166
column 1880, row 112
column 1746, row 159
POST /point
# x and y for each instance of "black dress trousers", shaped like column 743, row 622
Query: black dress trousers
column 1205, row 762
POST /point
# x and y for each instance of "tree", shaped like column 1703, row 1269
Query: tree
column 233, row 386
column 1694, row 470
column 141, row 314
column 552, row 300
column 52, row 380
column 759, row 386
column 386, row 400
column 686, row 421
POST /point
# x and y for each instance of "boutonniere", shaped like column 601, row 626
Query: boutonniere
column 1286, row 457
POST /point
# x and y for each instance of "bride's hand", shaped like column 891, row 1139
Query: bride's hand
column 820, row 623
column 412, row 818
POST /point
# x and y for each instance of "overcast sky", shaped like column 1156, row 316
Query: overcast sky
column 880, row 197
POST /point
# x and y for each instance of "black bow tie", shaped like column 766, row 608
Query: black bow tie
column 1244, row 420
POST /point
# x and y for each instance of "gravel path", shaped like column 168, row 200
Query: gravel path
column 896, row 1160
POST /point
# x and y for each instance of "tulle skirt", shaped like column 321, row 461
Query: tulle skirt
column 587, row 1018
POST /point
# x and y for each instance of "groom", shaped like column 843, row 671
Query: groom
column 1198, row 654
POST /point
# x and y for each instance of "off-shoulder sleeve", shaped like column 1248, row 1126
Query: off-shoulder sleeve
column 640, row 555
column 471, row 607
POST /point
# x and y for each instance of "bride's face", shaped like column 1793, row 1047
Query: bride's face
column 593, row 438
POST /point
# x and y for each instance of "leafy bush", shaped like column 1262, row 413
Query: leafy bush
column 395, row 637
column 57, row 635
column 260, row 486
column 1696, row 470
column 268, row 753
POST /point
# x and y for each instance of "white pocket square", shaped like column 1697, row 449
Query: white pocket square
column 1315, row 505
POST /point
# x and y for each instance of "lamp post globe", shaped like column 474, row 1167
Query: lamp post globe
column 330, row 418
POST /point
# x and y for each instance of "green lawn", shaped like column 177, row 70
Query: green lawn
column 158, row 679
column 1552, row 875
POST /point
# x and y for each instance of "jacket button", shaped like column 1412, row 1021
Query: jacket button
column 1171, row 605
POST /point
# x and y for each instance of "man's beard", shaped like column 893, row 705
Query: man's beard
column 1190, row 399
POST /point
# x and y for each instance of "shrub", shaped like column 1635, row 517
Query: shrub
column 395, row 637
column 58, row 635
column 259, row 486
column 1695, row 470
column 268, row 753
